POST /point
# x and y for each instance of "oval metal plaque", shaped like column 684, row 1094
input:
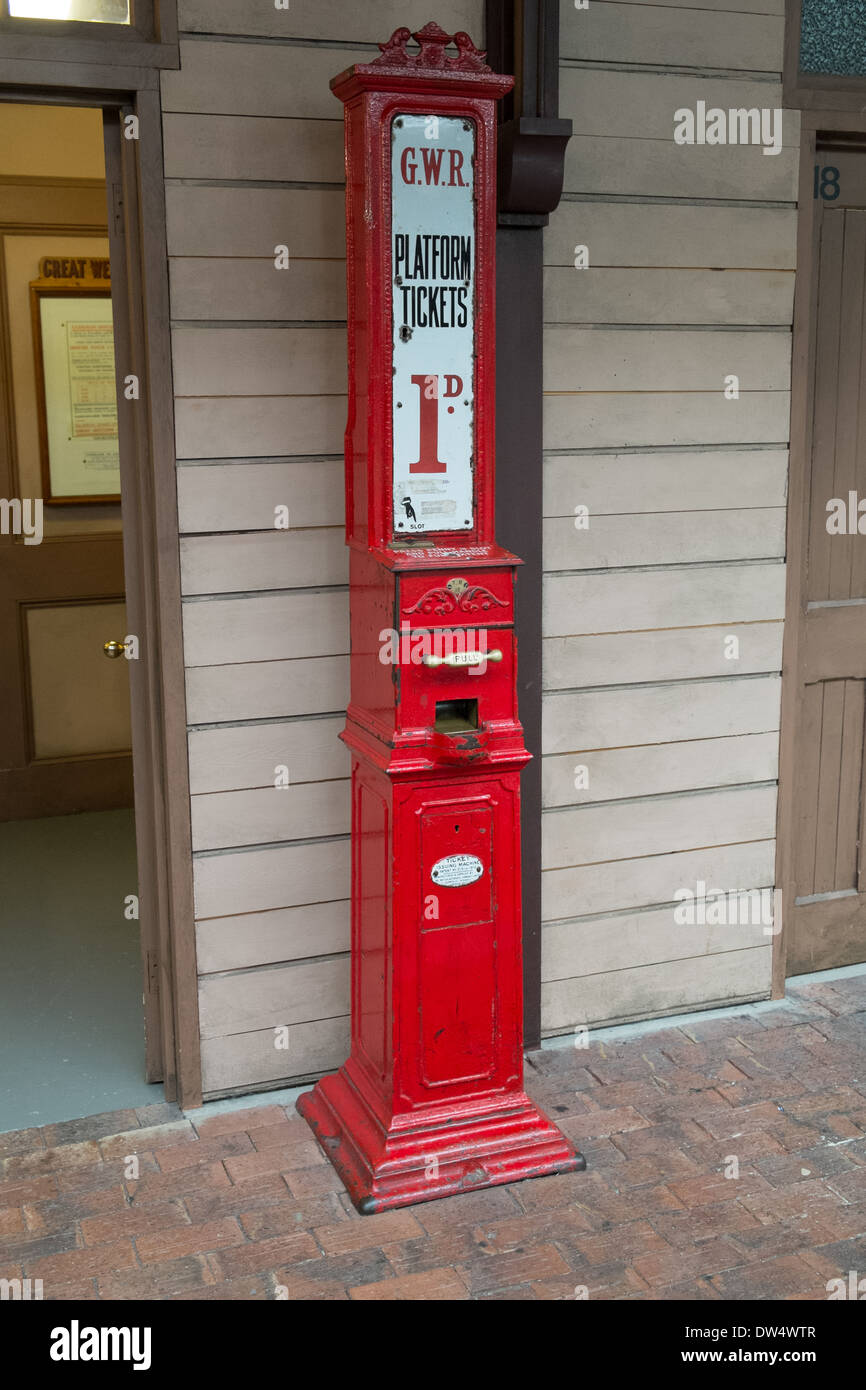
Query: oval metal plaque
column 457, row 870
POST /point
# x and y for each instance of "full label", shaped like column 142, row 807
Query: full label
column 433, row 275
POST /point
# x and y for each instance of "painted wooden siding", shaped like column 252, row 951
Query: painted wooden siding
column 660, row 751
column 254, row 160
column 686, row 36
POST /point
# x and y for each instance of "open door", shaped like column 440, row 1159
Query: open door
column 136, row 491
column 125, row 590
column 71, row 924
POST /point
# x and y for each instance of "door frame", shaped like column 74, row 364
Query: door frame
column 137, row 231
column 829, row 121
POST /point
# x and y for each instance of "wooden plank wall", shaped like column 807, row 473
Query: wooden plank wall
column 690, row 280
column 253, row 148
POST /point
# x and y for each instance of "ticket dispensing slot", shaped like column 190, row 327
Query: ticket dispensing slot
column 456, row 716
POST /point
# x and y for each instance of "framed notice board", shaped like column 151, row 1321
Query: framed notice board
column 73, row 337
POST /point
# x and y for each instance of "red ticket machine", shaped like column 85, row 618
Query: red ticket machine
column 431, row 1100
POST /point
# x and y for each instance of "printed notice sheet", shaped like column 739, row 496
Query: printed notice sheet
column 80, row 396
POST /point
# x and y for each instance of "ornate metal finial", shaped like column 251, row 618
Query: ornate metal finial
column 432, row 43
column 395, row 49
column 469, row 58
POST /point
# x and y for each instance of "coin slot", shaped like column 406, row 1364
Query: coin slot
column 456, row 716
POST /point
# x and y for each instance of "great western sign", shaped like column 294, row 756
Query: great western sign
column 433, row 295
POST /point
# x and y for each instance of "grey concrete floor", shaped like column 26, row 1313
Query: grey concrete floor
column 71, row 1022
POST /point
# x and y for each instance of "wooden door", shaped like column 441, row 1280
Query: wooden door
column 64, row 736
column 125, row 233
column 826, row 924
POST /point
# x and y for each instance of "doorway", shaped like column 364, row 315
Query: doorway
column 824, row 715
column 81, row 1027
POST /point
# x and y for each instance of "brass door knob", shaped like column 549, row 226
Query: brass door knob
column 114, row 649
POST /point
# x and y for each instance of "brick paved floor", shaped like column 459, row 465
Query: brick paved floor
column 232, row 1206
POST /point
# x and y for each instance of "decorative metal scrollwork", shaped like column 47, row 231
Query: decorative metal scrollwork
column 432, row 41
column 457, row 595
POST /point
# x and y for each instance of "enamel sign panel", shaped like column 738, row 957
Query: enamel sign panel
column 457, row 870
column 433, row 274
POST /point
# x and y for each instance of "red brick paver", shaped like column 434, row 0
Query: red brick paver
column 726, row 1161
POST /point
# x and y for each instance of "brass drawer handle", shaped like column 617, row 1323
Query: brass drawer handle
column 462, row 659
